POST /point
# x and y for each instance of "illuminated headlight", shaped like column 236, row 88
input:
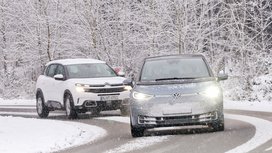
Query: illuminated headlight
column 128, row 88
column 212, row 92
column 141, row 96
column 80, row 87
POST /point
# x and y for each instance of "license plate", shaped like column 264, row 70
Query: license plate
column 109, row 98
column 175, row 110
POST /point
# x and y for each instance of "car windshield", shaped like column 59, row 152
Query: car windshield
column 90, row 70
column 174, row 69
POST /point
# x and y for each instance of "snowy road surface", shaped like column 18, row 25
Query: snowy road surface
column 246, row 131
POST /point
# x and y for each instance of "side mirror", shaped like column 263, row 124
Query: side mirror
column 121, row 74
column 129, row 82
column 59, row 77
column 119, row 71
column 222, row 76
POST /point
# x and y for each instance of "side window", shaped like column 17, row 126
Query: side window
column 51, row 70
column 60, row 70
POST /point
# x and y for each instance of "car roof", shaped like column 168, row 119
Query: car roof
column 175, row 56
column 75, row 61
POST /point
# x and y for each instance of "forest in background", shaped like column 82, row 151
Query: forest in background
column 234, row 35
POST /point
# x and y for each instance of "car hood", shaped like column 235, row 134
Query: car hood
column 169, row 89
column 99, row 81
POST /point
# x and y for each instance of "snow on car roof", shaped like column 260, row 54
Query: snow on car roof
column 175, row 56
column 75, row 61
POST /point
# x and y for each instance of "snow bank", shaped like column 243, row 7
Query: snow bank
column 264, row 106
column 21, row 135
column 30, row 102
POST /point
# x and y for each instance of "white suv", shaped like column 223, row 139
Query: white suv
column 80, row 85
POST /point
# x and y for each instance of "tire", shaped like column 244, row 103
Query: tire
column 41, row 108
column 125, row 110
column 137, row 132
column 218, row 125
column 69, row 107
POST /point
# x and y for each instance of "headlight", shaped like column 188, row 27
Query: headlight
column 212, row 92
column 128, row 88
column 141, row 96
column 80, row 87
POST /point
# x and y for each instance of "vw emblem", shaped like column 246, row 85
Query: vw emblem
column 177, row 95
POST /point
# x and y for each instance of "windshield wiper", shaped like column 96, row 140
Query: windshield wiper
column 174, row 78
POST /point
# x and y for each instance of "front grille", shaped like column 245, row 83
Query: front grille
column 103, row 105
column 164, row 120
column 105, row 90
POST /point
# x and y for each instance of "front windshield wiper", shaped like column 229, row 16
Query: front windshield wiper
column 174, row 78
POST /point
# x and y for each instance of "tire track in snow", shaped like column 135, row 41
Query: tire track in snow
column 262, row 135
column 136, row 143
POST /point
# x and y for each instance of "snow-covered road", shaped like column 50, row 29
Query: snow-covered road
column 54, row 137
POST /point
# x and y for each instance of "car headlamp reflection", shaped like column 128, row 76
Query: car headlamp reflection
column 141, row 96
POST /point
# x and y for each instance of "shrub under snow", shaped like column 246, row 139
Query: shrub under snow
column 262, row 88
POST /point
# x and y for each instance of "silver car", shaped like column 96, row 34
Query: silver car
column 176, row 90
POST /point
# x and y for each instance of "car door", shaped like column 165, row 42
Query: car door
column 59, row 85
column 49, row 82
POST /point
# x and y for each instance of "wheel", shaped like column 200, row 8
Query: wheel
column 69, row 107
column 42, row 110
column 95, row 111
column 218, row 125
column 124, row 110
column 137, row 132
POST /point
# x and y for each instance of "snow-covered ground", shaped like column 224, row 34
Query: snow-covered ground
column 264, row 106
column 25, row 135
column 16, row 102
column 49, row 135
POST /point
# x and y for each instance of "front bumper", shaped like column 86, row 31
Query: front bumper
column 101, row 98
column 160, row 113
column 90, row 105
column 81, row 98
column 162, row 121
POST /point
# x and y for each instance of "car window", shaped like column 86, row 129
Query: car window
column 51, row 70
column 60, row 70
column 90, row 70
column 174, row 68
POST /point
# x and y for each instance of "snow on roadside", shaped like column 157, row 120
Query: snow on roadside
column 22, row 135
column 29, row 102
column 263, row 106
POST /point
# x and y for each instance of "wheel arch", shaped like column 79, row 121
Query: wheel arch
column 39, row 91
column 66, row 92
